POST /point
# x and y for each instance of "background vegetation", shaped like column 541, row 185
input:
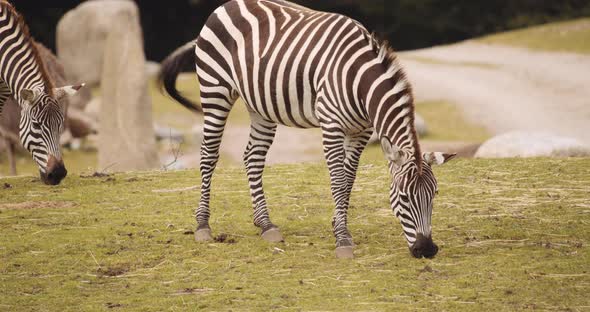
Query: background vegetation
column 403, row 22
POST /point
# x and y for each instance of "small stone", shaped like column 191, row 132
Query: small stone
column 531, row 144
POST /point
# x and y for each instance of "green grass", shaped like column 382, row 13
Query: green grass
column 570, row 36
column 447, row 123
column 513, row 235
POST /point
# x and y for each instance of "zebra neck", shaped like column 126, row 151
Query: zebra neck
column 20, row 63
column 392, row 115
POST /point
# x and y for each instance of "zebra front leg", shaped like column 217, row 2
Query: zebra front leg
column 213, row 126
column 335, row 154
column 354, row 146
column 262, row 134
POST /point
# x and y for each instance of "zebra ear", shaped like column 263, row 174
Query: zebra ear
column 59, row 93
column 29, row 95
column 437, row 158
column 392, row 152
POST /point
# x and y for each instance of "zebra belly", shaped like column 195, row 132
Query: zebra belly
column 280, row 98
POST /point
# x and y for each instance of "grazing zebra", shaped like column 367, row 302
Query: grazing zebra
column 23, row 75
column 303, row 68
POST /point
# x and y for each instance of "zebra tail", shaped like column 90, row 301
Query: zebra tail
column 171, row 68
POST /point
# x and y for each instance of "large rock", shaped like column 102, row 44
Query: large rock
column 420, row 125
column 531, row 144
column 126, row 135
column 82, row 34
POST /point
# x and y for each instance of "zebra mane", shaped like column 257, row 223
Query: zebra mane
column 24, row 29
column 386, row 54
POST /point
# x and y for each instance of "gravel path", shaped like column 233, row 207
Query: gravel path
column 504, row 88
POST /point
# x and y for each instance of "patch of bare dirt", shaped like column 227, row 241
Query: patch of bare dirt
column 95, row 175
column 192, row 291
column 113, row 271
column 111, row 305
column 224, row 239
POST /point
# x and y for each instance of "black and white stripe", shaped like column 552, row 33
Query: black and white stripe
column 22, row 75
column 304, row 68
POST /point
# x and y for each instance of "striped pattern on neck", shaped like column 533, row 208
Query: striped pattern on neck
column 20, row 63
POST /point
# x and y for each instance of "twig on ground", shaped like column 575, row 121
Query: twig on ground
column 94, row 258
column 176, row 152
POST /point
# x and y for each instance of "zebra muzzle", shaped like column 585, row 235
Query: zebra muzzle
column 55, row 172
column 424, row 247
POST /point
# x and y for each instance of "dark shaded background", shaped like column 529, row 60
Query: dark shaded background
column 407, row 24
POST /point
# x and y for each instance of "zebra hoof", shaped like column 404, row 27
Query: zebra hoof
column 273, row 235
column 344, row 252
column 203, row 235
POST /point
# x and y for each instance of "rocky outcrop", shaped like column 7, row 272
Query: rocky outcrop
column 420, row 125
column 126, row 134
column 81, row 39
column 82, row 35
column 531, row 144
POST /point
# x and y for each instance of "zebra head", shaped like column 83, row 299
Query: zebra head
column 412, row 192
column 40, row 127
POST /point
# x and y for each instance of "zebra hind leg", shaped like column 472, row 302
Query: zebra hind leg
column 262, row 134
column 216, row 111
